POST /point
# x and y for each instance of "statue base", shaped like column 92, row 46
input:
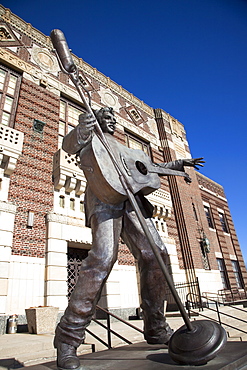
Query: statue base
column 154, row 357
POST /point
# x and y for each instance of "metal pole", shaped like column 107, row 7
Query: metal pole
column 109, row 330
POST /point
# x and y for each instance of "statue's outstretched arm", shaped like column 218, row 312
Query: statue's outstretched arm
column 179, row 164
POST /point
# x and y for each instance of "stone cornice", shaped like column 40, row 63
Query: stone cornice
column 14, row 60
column 212, row 193
column 24, row 27
column 161, row 200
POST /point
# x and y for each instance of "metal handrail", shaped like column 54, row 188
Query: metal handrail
column 108, row 344
column 189, row 303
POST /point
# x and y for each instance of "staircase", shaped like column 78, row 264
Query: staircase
column 233, row 317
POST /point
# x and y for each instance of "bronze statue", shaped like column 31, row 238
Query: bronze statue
column 109, row 222
column 118, row 180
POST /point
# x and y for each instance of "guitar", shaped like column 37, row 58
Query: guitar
column 141, row 173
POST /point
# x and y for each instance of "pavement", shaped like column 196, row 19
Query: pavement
column 37, row 353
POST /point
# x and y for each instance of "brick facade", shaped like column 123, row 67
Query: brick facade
column 31, row 187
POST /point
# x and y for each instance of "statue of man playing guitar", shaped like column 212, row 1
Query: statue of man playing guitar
column 109, row 222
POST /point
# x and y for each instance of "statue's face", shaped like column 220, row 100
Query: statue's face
column 108, row 122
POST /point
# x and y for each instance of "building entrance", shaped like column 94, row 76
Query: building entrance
column 75, row 257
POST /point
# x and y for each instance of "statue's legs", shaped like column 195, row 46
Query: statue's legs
column 152, row 280
column 93, row 274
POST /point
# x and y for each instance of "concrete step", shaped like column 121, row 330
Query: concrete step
column 224, row 311
column 234, row 339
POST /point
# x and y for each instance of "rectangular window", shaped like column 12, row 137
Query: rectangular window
column 72, row 204
column 134, row 142
column 68, row 118
column 223, row 222
column 61, row 201
column 9, row 91
column 82, row 206
column 223, row 273
column 209, row 217
column 238, row 275
column 194, row 211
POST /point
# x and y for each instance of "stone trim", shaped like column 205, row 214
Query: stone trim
column 7, row 207
column 61, row 219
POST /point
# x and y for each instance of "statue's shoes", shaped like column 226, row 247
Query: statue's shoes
column 66, row 357
column 162, row 339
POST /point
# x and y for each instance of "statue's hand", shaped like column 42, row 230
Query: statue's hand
column 86, row 124
column 194, row 162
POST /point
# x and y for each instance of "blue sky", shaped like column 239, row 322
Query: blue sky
column 188, row 57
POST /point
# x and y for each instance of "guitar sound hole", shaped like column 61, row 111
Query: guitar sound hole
column 141, row 168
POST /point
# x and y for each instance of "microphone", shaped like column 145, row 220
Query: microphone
column 60, row 45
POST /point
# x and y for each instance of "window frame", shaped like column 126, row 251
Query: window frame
column 144, row 144
column 5, row 93
column 68, row 103
column 209, row 217
column 223, row 222
column 237, row 274
column 223, row 273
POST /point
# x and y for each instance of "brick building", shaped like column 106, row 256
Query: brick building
column 43, row 235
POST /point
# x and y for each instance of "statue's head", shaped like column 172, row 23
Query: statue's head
column 106, row 119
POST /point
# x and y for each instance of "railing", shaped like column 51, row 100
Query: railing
column 183, row 290
column 108, row 344
column 210, row 303
column 226, row 296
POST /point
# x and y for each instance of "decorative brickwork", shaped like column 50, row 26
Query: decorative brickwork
column 124, row 255
column 31, row 184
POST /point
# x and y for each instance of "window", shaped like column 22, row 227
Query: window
column 61, row 201
column 9, row 90
column 68, row 118
column 223, row 222
column 209, row 217
column 237, row 274
column 194, row 211
column 223, row 273
column 72, row 204
column 134, row 142
column 82, row 206
column 163, row 227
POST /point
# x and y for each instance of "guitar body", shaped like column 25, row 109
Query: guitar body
column 103, row 178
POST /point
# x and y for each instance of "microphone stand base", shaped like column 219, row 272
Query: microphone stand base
column 199, row 345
